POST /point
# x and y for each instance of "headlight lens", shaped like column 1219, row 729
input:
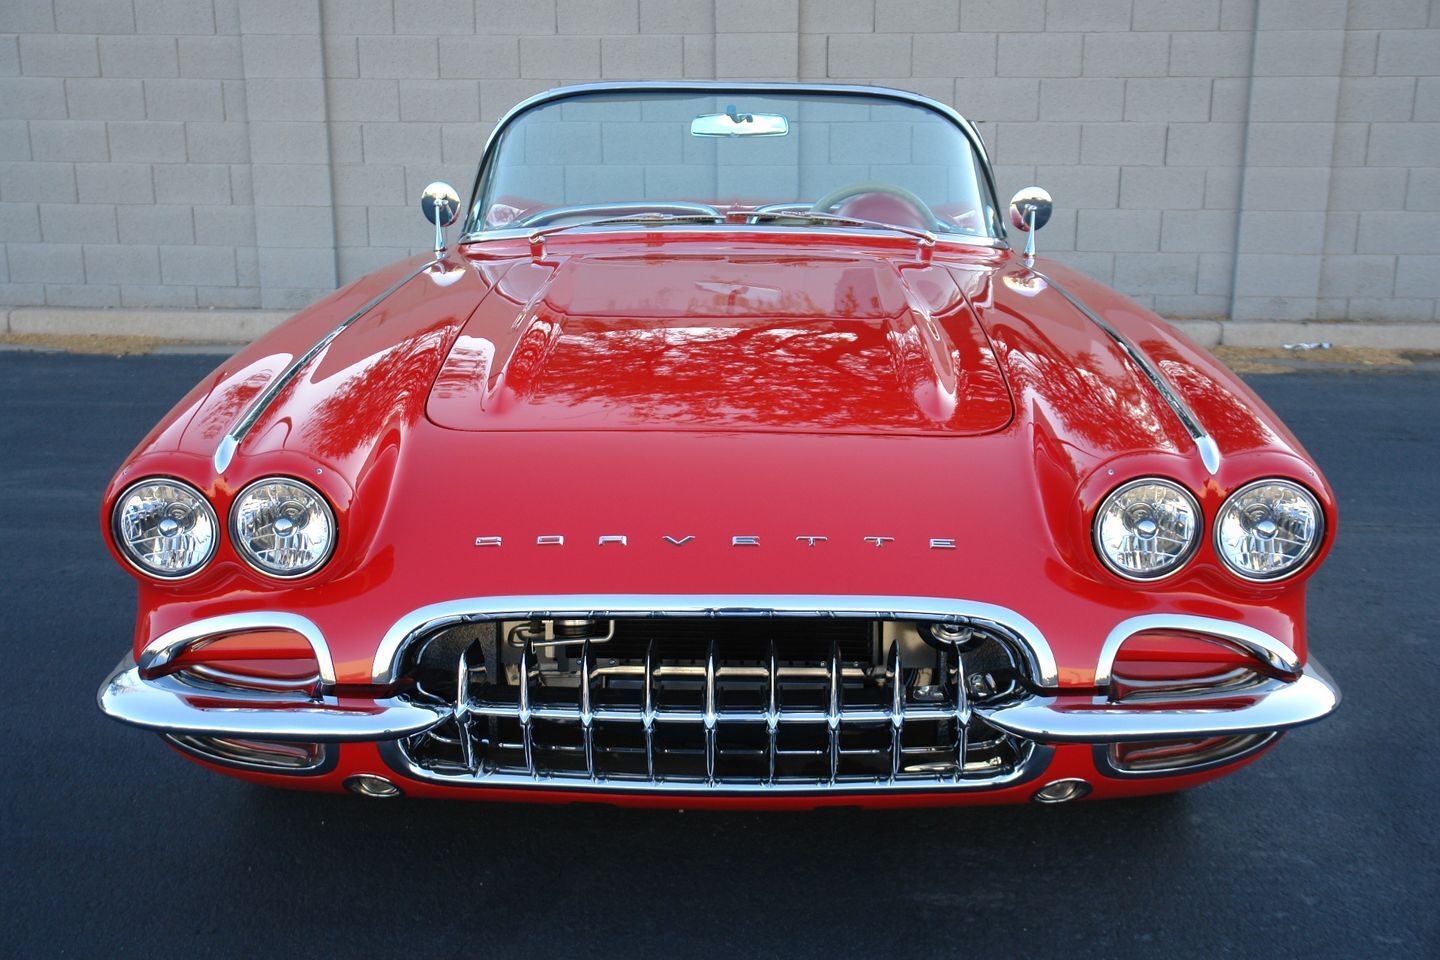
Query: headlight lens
column 282, row 527
column 1269, row 529
column 165, row 528
column 1147, row 529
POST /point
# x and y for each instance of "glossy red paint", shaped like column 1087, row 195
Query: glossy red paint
column 810, row 383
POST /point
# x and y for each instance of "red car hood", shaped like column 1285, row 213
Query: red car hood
column 786, row 342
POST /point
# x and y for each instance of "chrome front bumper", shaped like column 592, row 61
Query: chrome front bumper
column 185, row 706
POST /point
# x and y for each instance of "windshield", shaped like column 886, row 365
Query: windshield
column 725, row 153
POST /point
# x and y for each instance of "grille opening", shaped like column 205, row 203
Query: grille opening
column 715, row 702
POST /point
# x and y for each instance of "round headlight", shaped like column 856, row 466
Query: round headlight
column 165, row 528
column 282, row 527
column 1147, row 529
column 1269, row 529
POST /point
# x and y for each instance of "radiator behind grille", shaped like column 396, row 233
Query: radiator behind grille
column 690, row 639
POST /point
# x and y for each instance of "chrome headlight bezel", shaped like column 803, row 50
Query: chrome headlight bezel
column 1181, row 561
column 255, row 563
column 1305, row 558
column 122, row 544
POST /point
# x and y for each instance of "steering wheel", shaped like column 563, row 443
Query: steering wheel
column 925, row 217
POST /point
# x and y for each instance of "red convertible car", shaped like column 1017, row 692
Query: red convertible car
column 732, row 455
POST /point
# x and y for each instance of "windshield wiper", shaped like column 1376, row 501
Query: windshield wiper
column 643, row 218
column 812, row 216
column 537, row 237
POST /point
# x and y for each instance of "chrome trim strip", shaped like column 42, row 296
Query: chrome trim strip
column 1036, row 759
column 172, row 704
column 1204, row 443
column 1278, row 705
column 1209, row 453
column 1257, row 643
column 229, row 443
column 1024, row 637
column 469, row 233
column 168, row 645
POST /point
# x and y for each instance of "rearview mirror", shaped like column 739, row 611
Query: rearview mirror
column 732, row 123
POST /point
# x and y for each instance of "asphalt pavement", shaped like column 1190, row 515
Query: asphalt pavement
column 112, row 846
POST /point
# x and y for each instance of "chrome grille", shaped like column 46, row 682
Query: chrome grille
column 742, row 704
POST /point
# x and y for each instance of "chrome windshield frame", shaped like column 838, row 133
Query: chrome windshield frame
column 470, row 233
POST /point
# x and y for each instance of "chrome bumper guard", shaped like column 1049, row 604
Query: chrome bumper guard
column 177, row 704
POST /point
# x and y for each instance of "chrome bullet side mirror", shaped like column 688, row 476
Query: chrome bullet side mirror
column 441, row 205
column 1030, row 210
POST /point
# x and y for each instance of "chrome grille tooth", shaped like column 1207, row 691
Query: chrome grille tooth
column 962, row 715
column 897, row 708
column 587, row 715
column 648, row 710
column 832, row 713
column 709, row 716
column 526, row 734
column 772, row 710
column 462, row 707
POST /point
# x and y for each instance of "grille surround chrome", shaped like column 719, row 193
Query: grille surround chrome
column 1023, row 636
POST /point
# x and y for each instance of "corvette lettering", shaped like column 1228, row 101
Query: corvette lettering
column 739, row 540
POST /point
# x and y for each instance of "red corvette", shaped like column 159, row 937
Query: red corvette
column 732, row 456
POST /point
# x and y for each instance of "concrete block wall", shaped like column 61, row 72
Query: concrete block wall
column 1257, row 159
